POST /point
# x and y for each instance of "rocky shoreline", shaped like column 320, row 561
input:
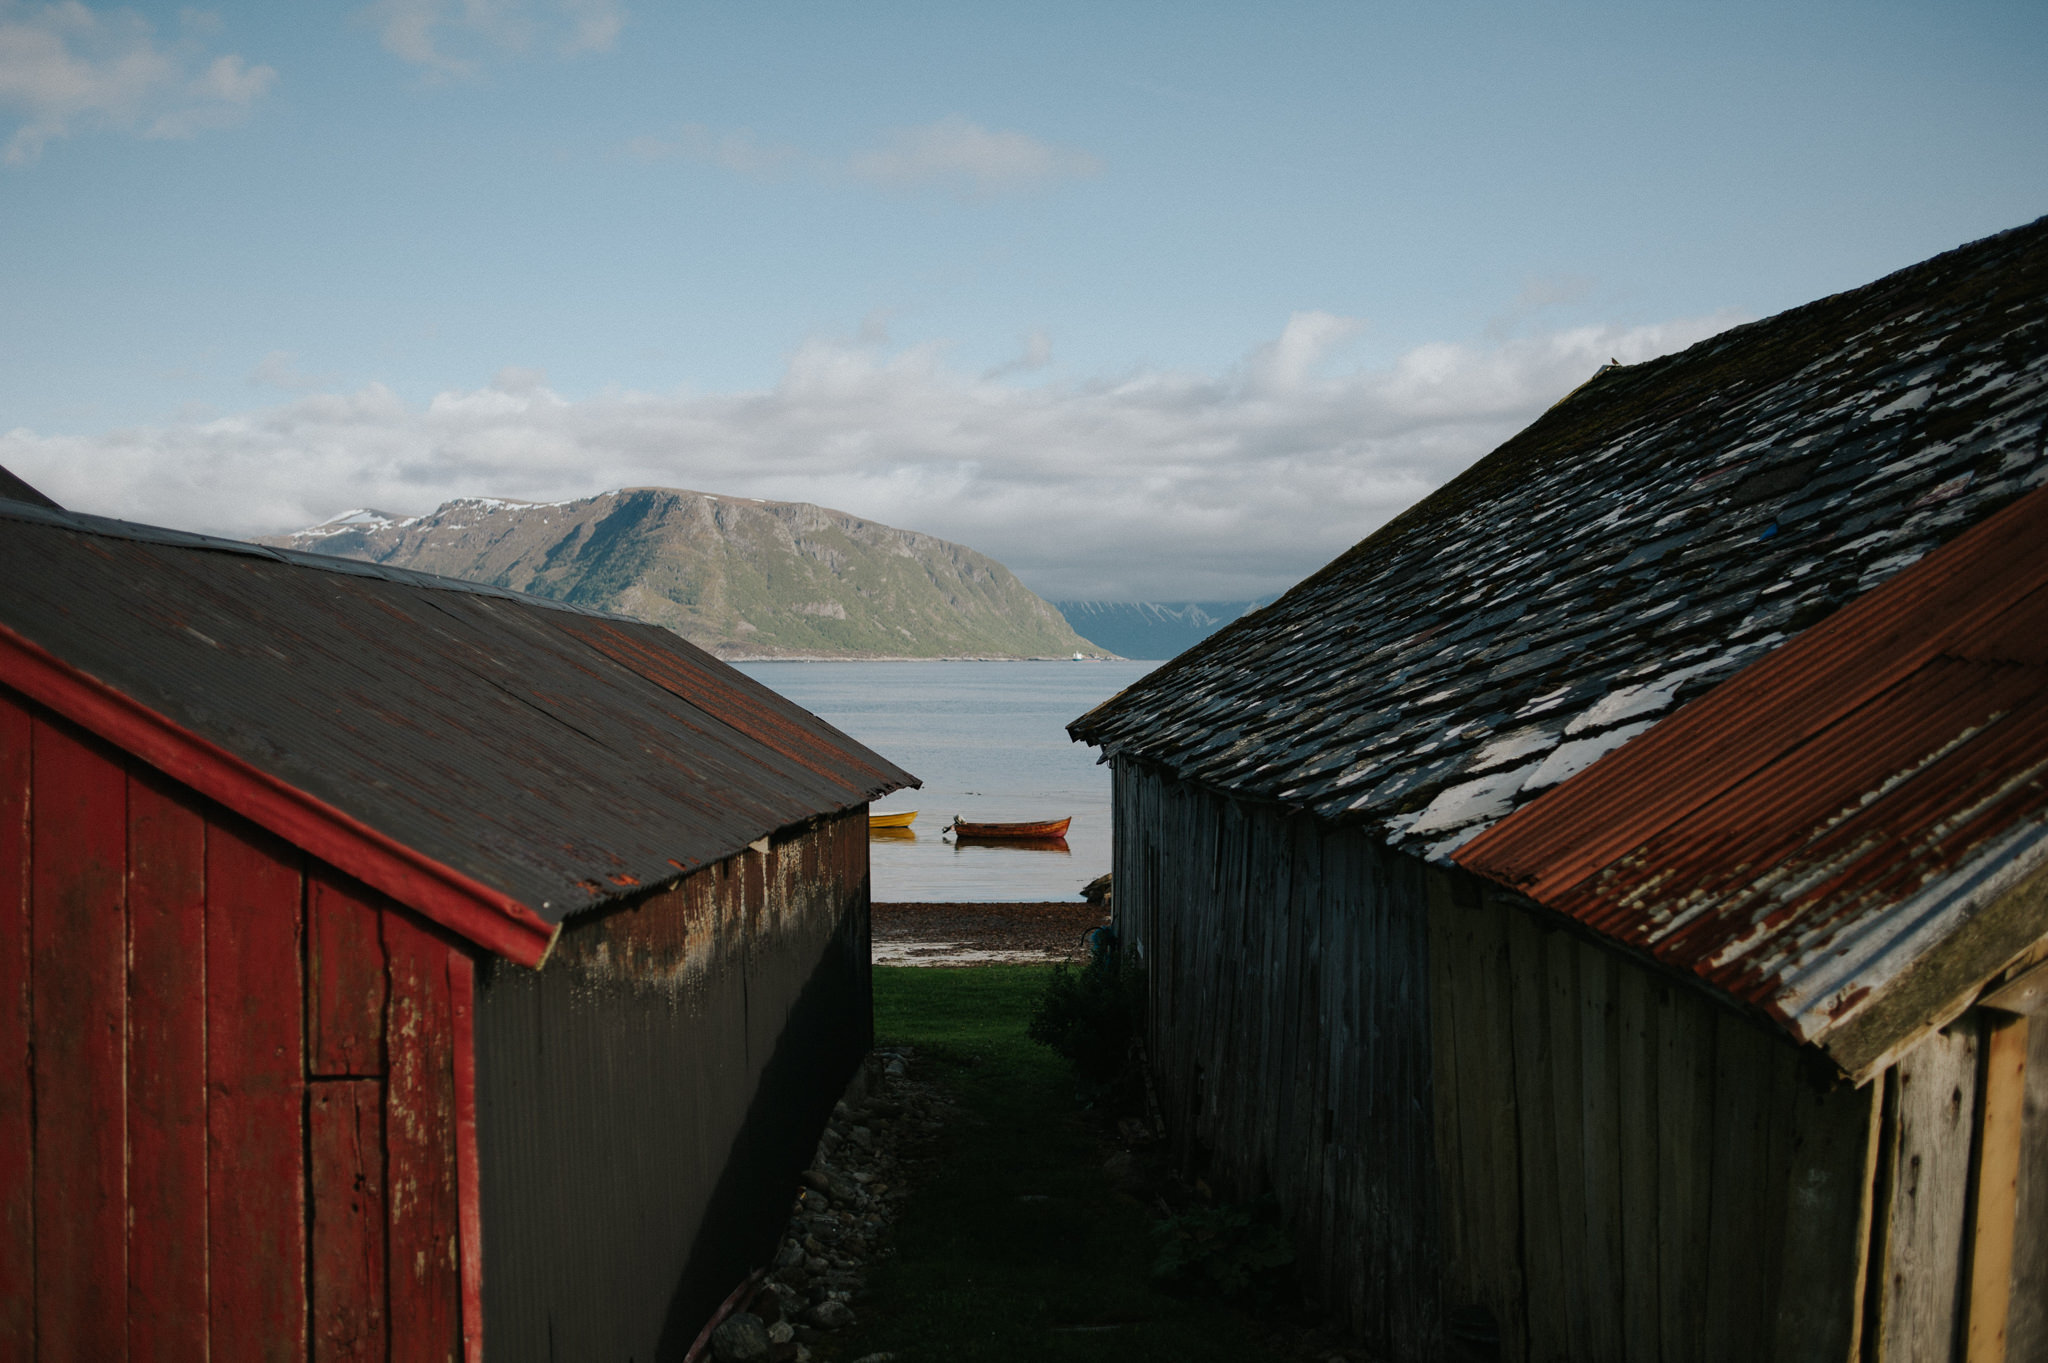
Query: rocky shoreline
column 866, row 1165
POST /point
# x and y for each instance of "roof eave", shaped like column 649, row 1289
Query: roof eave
column 1994, row 915
column 489, row 918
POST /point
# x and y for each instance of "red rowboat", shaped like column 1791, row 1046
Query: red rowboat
column 1050, row 828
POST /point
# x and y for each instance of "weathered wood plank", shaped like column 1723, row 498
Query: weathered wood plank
column 2027, row 1322
column 1826, row 1222
column 1465, row 1189
column 468, row 1175
column 17, row 1134
column 255, row 1066
column 2000, row 1134
column 425, row 1290
column 1687, row 1033
column 1636, row 1107
column 1937, row 1105
column 1494, row 1141
column 167, row 1310
column 1567, row 1138
column 79, row 988
column 345, row 1121
column 1600, row 1151
column 344, row 977
column 1738, row 1282
column 1543, row 1236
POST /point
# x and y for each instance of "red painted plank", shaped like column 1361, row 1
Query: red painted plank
column 344, row 976
column 167, row 1314
column 17, row 1171
column 488, row 917
column 78, row 844
column 347, row 1140
column 419, row 1142
column 468, row 1188
column 256, row 1229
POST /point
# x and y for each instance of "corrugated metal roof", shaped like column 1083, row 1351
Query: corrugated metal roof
column 1641, row 542
column 1802, row 833
column 564, row 757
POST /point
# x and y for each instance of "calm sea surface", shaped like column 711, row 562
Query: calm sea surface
column 989, row 742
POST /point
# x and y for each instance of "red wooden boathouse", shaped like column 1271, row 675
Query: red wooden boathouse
column 390, row 964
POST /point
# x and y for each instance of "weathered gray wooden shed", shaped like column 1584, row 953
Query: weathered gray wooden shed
column 1602, row 906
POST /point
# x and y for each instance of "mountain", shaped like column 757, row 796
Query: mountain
column 743, row 578
column 1153, row 629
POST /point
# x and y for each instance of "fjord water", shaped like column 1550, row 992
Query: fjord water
column 989, row 741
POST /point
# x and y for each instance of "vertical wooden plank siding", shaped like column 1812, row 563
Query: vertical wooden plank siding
column 1638, row 1096
column 345, row 1121
column 17, row 1134
column 1740, row 1281
column 344, row 976
column 419, row 1133
column 468, row 1187
column 1600, row 1149
column 2027, row 1321
column 1922, row 1287
column 1826, row 1224
column 79, row 852
column 1998, row 1185
column 1686, row 1031
column 255, row 1060
column 1288, row 1025
column 1471, row 1022
column 1543, row 1210
column 167, row 1271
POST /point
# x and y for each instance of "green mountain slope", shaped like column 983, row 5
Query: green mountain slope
column 743, row 578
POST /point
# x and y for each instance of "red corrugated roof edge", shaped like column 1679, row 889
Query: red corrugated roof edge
column 1770, row 837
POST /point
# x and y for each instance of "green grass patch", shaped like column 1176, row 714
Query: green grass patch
column 1014, row 1245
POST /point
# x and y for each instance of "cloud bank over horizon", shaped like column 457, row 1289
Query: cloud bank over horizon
column 1153, row 485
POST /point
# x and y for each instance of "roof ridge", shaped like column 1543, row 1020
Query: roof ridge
column 87, row 523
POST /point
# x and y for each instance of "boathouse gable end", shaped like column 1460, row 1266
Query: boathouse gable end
column 282, row 843
column 1685, row 754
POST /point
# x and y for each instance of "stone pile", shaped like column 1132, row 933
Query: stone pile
column 839, row 1224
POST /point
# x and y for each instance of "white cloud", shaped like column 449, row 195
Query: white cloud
column 65, row 68
column 455, row 37
column 968, row 160
column 1154, row 485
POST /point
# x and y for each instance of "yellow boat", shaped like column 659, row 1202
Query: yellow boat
column 902, row 820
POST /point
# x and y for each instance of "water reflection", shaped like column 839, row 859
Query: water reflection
column 892, row 835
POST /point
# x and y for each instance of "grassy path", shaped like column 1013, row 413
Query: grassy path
column 1015, row 1246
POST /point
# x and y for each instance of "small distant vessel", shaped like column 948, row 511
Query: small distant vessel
column 1048, row 828
column 1079, row 659
column 900, row 819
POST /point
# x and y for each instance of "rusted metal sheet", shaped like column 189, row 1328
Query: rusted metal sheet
column 564, row 758
column 1802, row 834
column 1636, row 546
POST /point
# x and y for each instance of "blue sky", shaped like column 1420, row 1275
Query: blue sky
column 1157, row 301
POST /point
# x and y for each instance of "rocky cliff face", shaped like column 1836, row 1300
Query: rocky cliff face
column 743, row 578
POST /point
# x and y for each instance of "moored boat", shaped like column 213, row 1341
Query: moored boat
column 1048, row 828
column 900, row 819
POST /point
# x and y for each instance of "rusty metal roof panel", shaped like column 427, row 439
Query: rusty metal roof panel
column 1812, row 826
column 1645, row 540
column 561, row 756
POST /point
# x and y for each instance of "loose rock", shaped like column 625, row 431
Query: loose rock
column 740, row 1338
